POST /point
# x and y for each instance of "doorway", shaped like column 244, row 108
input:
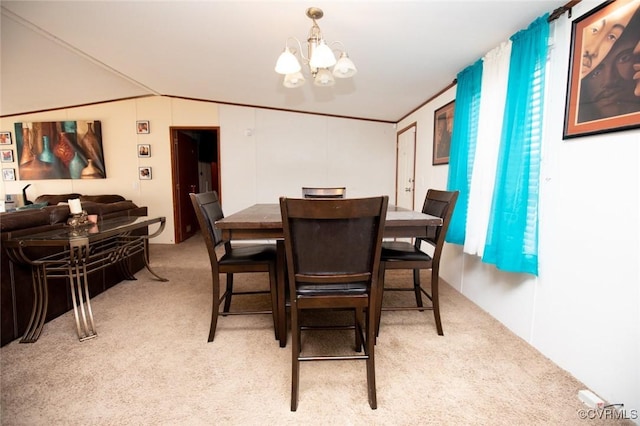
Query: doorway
column 406, row 166
column 195, row 153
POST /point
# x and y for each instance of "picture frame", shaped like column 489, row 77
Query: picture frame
column 72, row 142
column 442, row 130
column 8, row 174
column 142, row 127
column 595, row 64
column 5, row 138
column 144, row 150
column 6, row 155
column 144, row 173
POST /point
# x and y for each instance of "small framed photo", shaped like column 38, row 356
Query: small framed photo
column 144, row 173
column 442, row 129
column 142, row 127
column 5, row 138
column 144, row 150
column 6, row 155
column 8, row 174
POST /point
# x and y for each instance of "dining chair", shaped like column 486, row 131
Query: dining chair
column 406, row 255
column 332, row 249
column 326, row 192
column 233, row 259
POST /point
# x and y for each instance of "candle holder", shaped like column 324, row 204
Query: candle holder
column 78, row 219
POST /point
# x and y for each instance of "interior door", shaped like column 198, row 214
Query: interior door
column 185, row 180
column 405, row 166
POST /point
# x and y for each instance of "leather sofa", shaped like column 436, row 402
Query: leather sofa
column 16, row 291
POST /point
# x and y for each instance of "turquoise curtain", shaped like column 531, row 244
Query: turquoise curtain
column 463, row 145
column 512, row 236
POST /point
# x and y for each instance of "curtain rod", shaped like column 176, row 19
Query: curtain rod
column 562, row 9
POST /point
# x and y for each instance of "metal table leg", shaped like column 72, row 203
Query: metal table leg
column 79, row 252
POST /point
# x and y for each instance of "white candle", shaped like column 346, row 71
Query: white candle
column 74, row 206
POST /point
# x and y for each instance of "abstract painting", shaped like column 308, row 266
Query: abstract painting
column 60, row 150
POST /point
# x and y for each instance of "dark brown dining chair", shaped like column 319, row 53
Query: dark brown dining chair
column 406, row 255
column 233, row 259
column 326, row 192
column 333, row 255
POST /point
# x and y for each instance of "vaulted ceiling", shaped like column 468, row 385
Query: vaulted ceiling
column 66, row 53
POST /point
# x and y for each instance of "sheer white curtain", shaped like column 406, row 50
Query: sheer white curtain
column 495, row 75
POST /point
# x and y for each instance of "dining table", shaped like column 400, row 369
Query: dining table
column 264, row 221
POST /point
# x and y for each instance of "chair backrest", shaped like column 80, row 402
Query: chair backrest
column 441, row 204
column 208, row 211
column 333, row 240
column 334, row 192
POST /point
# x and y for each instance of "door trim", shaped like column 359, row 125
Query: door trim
column 174, row 171
column 415, row 137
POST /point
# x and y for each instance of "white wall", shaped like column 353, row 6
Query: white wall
column 266, row 154
column 582, row 311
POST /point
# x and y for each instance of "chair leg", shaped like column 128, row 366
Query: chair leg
column 273, row 286
column 435, row 301
column 281, row 275
column 358, row 318
column 379, row 296
column 416, row 287
column 228, row 293
column 295, row 353
column 371, row 370
column 215, row 306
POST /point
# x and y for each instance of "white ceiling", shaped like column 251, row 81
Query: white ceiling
column 65, row 53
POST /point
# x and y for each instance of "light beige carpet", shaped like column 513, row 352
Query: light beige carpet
column 151, row 365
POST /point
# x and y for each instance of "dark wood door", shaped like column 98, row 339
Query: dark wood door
column 185, row 180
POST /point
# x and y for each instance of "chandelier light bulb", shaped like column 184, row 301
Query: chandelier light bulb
column 324, row 78
column 287, row 62
column 291, row 81
column 322, row 56
column 345, row 67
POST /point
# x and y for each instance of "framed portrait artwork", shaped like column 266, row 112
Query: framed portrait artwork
column 8, row 174
column 6, row 155
column 142, row 127
column 603, row 88
column 144, row 150
column 5, row 138
column 144, row 173
column 442, row 127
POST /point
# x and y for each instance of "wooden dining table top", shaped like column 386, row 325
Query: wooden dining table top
column 265, row 221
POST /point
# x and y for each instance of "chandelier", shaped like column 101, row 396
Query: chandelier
column 320, row 58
